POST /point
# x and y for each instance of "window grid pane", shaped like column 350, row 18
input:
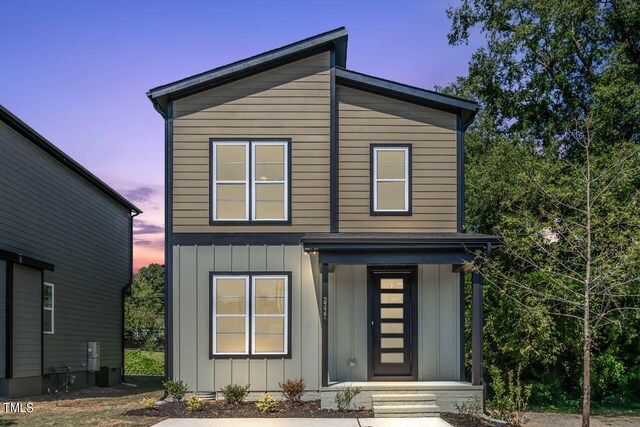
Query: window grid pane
column 230, row 180
column 230, row 306
column 270, row 296
column 269, row 178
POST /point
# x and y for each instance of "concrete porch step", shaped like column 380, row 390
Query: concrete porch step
column 405, row 411
column 404, row 398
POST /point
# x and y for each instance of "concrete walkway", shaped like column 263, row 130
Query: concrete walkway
column 304, row 422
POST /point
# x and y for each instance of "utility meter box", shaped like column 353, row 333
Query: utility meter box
column 93, row 356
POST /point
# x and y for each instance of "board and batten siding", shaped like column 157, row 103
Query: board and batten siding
column 291, row 101
column 438, row 323
column 365, row 119
column 51, row 214
column 191, row 308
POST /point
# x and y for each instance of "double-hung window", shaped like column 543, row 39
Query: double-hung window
column 47, row 307
column 250, row 314
column 391, row 179
column 250, row 181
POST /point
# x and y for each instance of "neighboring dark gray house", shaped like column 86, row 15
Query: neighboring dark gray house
column 65, row 262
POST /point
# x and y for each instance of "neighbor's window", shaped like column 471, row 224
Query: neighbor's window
column 390, row 179
column 264, row 165
column 250, row 319
column 47, row 307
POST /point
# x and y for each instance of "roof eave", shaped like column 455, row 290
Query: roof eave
column 466, row 108
column 334, row 39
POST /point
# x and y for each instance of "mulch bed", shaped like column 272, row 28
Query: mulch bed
column 308, row 409
column 459, row 420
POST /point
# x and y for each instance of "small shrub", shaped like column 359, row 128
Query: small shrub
column 137, row 362
column 344, row 398
column 292, row 390
column 267, row 403
column 176, row 389
column 194, row 403
column 149, row 403
column 234, row 394
column 510, row 398
column 471, row 407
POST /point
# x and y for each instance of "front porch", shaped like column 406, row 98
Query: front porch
column 392, row 316
column 446, row 393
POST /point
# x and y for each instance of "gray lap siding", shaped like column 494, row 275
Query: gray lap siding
column 3, row 313
column 51, row 214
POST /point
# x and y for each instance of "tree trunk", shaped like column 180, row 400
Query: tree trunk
column 586, row 325
column 586, row 386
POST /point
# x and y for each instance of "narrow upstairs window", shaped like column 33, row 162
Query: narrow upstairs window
column 391, row 180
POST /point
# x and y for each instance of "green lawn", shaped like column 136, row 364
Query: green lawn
column 156, row 355
column 139, row 362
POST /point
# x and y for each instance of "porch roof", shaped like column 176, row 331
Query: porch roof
column 398, row 248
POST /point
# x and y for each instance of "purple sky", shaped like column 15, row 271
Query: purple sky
column 77, row 71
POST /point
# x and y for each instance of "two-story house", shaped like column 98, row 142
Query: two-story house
column 66, row 262
column 314, row 230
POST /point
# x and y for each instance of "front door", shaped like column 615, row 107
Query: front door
column 393, row 322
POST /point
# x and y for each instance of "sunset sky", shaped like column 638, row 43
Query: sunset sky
column 77, row 71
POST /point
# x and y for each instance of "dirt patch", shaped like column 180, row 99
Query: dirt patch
column 309, row 409
column 459, row 420
column 544, row 419
column 96, row 407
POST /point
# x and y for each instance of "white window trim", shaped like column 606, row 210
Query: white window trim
column 255, row 182
column 52, row 309
column 405, row 179
column 284, row 316
column 214, row 315
column 215, row 180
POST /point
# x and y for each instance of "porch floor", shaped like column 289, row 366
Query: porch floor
column 403, row 385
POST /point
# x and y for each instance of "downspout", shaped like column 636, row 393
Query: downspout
column 127, row 289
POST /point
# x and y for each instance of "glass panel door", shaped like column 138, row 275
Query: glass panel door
column 391, row 323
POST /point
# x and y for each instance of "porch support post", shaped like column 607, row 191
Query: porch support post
column 324, row 322
column 476, row 330
column 462, row 373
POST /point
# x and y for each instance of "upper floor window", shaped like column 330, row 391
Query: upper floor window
column 391, row 180
column 47, row 307
column 250, row 181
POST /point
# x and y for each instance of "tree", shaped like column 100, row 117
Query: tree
column 559, row 85
column 577, row 248
column 144, row 309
